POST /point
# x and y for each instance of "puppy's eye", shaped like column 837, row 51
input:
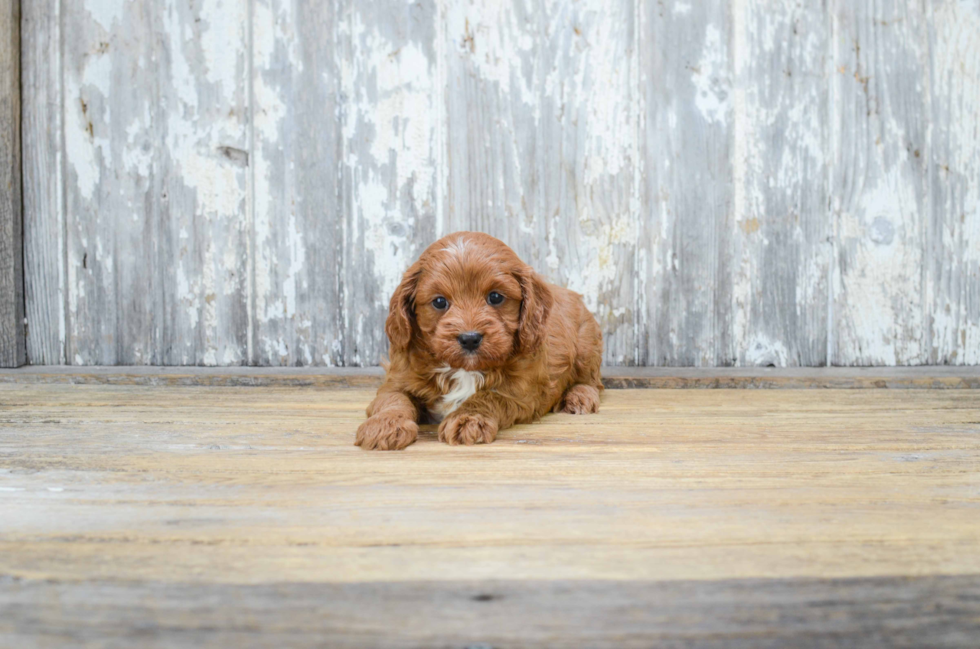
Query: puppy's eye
column 495, row 298
column 440, row 303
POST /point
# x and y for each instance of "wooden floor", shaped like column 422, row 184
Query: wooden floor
column 244, row 516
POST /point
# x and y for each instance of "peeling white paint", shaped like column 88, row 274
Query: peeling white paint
column 955, row 322
column 391, row 86
column 492, row 38
column 297, row 261
column 85, row 143
column 188, row 297
column 762, row 352
column 182, row 78
column 106, row 13
column 883, row 283
column 712, row 78
column 603, row 76
column 226, row 30
column 139, row 153
column 269, row 115
column 602, row 268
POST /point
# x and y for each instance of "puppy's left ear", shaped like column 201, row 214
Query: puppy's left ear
column 536, row 303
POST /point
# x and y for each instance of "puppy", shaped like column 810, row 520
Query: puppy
column 480, row 342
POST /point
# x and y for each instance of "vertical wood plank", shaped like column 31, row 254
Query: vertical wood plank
column 108, row 203
column 44, row 207
column 542, row 113
column 298, row 213
column 685, row 256
column 492, row 105
column 155, row 104
column 953, row 253
column 392, row 129
column 12, row 343
column 881, row 188
column 780, row 242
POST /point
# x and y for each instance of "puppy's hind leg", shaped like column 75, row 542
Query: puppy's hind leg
column 580, row 399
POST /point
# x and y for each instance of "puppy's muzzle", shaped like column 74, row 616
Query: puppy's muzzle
column 470, row 341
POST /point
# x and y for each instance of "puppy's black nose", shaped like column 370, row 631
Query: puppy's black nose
column 470, row 340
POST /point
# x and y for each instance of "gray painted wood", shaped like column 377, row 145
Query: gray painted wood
column 780, row 237
column 685, row 257
column 392, row 122
column 542, row 144
column 44, row 207
column 953, row 244
column 155, row 105
column 729, row 183
column 12, row 344
column 881, row 188
column 296, row 204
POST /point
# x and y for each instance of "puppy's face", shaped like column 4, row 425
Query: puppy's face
column 468, row 311
column 470, row 302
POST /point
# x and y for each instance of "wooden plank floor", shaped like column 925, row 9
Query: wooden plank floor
column 244, row 516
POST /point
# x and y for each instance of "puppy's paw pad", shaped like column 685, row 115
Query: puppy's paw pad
column 467, row 429
column 380, row 433
column 581, row 400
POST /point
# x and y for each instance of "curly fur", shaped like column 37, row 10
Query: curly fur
column 541, row 348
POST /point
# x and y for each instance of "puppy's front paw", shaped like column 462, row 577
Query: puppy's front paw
column 581, row 399
column 467, row 429
column 384, row 433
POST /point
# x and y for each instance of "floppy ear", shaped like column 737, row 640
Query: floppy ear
column 536, row 304
column 400, row 325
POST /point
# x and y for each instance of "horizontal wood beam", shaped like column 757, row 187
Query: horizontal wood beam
column 13, row 349
column 923, row 377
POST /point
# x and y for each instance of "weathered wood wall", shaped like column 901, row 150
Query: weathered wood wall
column 729, row 182
column 13, row 351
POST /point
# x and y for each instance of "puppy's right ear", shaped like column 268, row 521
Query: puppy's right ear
column 400, row 325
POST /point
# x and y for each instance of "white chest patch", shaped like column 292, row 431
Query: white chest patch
column 457, row 386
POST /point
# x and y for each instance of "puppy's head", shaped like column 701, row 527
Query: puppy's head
column 470, row 302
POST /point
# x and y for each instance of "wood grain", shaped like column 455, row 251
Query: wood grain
column 953, row 273
column 297, row 202
column 13, row 348
column 684, row 259
column 209, row 512
column 44, row 200
column 156, row 107
column 881, row 189
column 751, row 613
column 780, row 236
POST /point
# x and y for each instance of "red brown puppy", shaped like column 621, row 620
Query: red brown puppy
column 480, row 342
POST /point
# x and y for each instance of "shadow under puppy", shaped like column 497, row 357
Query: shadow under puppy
column 480, row 342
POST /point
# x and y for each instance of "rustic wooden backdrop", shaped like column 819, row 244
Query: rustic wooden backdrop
column 728, row 182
